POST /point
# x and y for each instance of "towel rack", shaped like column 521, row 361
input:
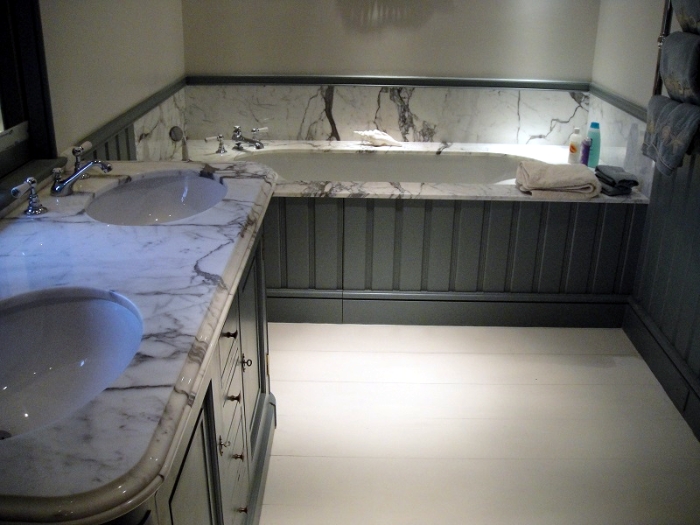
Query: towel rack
column 665, row 30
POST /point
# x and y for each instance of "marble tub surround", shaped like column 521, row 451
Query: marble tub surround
column 180, row 276
column 413, row 114
column 206, row 152
column 152, row 130
column 622, row 137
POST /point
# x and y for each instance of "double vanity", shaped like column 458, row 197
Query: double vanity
column 134, row 385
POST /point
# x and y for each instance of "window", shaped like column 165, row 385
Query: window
column 26, row 128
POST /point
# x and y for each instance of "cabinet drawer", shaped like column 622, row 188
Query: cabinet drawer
column 234, row 476
column 227, row 340
column 232, row 402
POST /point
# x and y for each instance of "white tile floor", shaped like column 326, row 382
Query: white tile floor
column 468, row 425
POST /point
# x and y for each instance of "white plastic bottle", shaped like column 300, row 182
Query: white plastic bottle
column 594, row 135
column 575, row 146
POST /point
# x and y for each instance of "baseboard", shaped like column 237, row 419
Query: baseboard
column 458, row 309
column 677, row 379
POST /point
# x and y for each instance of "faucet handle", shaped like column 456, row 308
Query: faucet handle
column 220, row 138
column 57, row 173
column 34, row 206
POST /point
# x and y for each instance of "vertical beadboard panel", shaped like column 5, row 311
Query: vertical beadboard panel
column 299, row 230
column 496, row 246
column 582, row 240
column 681, row 237
column 668, row 246
column 272, row 245
column 439, row 249
column 689, row 295
column 384, row 230
column 410, row 243
column 327, row 247
column 661, row 201
column 355, row 244
column 634, row 231
column 610, row 248
column 120, row 146
column 554, row 230
column 526, row 233
column 469, row 220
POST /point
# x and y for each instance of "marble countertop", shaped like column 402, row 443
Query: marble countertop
column 180, row 276
column 205, row 151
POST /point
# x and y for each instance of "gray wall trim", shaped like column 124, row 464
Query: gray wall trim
column 113, row 140
column 483, row 313
column 362, row 80
column 447, row 296
column 619, row 102
column 665, row 346
column 682, row 388
column 444, row 312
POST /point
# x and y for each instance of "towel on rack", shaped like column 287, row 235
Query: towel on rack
column 680, row 67
column 688, row 14
column 614, row 180
column 556, row 181
column 671, row 130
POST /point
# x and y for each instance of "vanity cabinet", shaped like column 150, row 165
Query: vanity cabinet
column 221, row 477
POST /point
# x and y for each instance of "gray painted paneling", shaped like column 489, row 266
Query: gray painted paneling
column 355, row 245
column 554, row 230
column 438, row 264
column 441, row 246
column 525, row 239
column 409, row 250
column 467, row 245
column 298, row 222
column 382, row 215
column 496, row 246
column 328, row 234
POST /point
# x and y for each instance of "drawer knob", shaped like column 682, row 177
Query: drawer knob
column 246, row 362
column 223, row 445
column 231, row 335
column 243, row 510
column 234, row 398
column 237, row 456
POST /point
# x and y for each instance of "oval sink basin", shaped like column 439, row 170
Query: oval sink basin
column 59, row 348
column 163, row 196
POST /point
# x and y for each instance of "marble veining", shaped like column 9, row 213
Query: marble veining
column 180, row 276
column 412, row 114
column 205, row 152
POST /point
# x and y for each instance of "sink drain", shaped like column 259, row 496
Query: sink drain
column 4, row 434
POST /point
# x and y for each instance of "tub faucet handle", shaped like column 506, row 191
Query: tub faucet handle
column 220, row 138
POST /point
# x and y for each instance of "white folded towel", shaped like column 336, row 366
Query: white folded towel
column 556, row 181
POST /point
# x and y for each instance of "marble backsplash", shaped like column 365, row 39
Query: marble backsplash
column 414, row 114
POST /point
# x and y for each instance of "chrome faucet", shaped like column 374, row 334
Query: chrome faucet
column 34, row 207
column 65, row 186
column 239, row 139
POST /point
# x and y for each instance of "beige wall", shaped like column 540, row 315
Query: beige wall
column 626, row 49
column 105, row 56
column 513, row 39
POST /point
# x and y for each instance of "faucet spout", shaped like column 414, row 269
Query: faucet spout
column 65, row 186
column 239, row 139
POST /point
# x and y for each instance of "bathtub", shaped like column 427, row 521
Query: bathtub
column 387, row 166
column 429, row 234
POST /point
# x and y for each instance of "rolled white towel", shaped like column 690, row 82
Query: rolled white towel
column 556, row 181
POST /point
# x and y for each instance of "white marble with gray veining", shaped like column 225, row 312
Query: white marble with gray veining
column 413, row 114
column 206, row 152
column 152, row 130
column 419, row 114
column 180, row 276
